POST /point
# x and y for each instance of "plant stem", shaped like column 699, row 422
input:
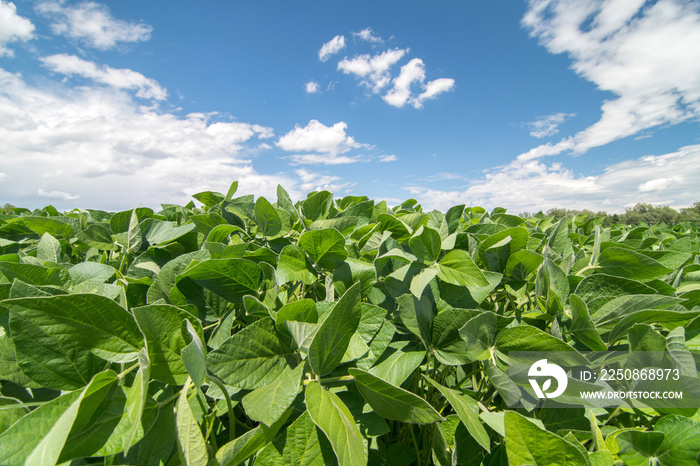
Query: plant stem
column 342, row 378
column 229, row 407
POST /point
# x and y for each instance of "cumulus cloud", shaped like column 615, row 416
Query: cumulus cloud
column 413, row 71
column 70, row 65
column 527, row 185
column 102, row 145
column 644, row 53
column 13, row 27
column 311, row 87
column 548, row 125
column 331, row 47
column 367, row 35
column 92, row 24
column 373, row 70
column 317, row 137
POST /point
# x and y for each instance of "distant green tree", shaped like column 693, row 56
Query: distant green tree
column 690, row 214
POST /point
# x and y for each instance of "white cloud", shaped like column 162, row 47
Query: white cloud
column 13, row 27
column 323, row 159
column 92, row 24
column 548, row 125
column 331, row 47
column 317, row 137
column 367, row 35
column 374, row 70
column 388, row 158
column 311, row 87
column 71, row 65
column 645, row 53
column 657, row 184
column 433, row 89
column 413, row 71
column 57, row 195
column 311, row 181
column 102, row 145
column 443, row 176
column 531, row 185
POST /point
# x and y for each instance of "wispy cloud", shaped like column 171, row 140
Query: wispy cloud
column 13, row 28
column 57, row 195
column 548, row 125
column 388, row 158
column 311, row 181
column 527, row 185
column 311, row 87
column 433, row 89
column 331, row 47
column 644, row 53
column 443, row 176
column 367, row 35
column 70, row 65
column 92, row 24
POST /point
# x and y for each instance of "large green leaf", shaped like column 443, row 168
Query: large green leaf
column 528, row 444
column 630, row 264
column 266, row 404
column 598, row 289
column 193, row 448
column 334, row 333
column 254, row 357
column 582, row 327
column 247, row 444
column 34, row 274
column 228, row 278
column 448, row 344
column 300, row 444
column 90, row 272
column 392, row 402
column 335, row 420
column 479, row 333
column 426, row 244
column 293, row 265
column 468, row 412
column 39, row 437
column 267, row 218
column 161, row 326
column 527, row 338
column 87, row 321
column 638, row 448
column 353, row 271
column 457, row 268
column 325, row 247
column 396, row 367
column 681, row 440
column 48, row 249
column 417, row 315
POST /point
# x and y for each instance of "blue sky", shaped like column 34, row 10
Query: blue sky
column 528, row 105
